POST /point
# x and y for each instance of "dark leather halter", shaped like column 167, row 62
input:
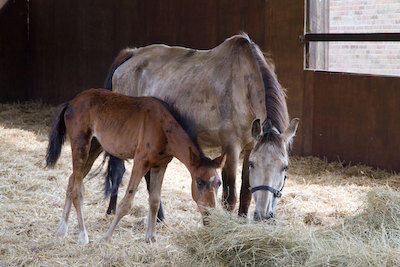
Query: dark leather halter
column 277, row 193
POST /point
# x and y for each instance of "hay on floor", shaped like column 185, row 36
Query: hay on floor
column 325, row 216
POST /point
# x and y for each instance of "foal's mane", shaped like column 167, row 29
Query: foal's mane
column 189, row 128
column 275, row 97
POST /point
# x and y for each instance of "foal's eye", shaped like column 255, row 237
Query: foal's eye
column 200, row 183
column 251, row 164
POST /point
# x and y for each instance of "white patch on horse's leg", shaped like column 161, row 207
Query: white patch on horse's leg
column 151, row 223
column 83, row 238
column 62, row 229
column 63, row 225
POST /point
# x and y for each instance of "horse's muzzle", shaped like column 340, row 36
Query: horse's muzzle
column 258, row 217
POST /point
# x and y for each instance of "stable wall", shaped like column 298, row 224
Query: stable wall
column 72, row 43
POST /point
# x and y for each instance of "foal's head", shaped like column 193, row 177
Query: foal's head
column 268, row 163
column 205, row 180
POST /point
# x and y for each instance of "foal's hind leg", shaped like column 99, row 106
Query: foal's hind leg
column 157, row 176
column 75, row 188
column 160, row 213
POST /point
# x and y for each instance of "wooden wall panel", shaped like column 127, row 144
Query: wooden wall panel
column 357, row 119
column 74, row 42
column 284, row 21
column 69, row 41
column 13, row 51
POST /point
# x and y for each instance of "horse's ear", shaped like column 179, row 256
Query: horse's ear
column 220, row 161
column 194, row 159
column 256, row 129
column 291, row 131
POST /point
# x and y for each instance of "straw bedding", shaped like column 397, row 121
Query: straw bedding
column 330, row 214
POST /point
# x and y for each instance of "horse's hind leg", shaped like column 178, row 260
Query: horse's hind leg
column 116, row 173
column 157, row 175
column 160, row 213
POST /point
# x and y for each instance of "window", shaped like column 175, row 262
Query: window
column 358, row 36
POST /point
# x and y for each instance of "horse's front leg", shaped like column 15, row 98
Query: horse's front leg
column 157, row 175
column 138, row 171
column 245, row 194
column 229, row 176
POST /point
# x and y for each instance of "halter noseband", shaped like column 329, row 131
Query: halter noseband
column 277, row 193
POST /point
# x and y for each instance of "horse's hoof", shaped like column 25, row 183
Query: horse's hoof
column 83, row 238
column 110, row 211
column 62, row 230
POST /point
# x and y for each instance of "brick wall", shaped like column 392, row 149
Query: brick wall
column 364, row 16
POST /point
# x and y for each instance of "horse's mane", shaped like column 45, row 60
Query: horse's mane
column 275, row 97
column 188, row 126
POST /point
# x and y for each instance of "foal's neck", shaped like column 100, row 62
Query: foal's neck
column 180, row 145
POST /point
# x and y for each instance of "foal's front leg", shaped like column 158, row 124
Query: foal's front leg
column 157, row 175
column 125, row 205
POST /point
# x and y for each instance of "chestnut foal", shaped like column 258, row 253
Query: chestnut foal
column 143, row 128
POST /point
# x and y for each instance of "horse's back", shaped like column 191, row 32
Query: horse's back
column 211, row 87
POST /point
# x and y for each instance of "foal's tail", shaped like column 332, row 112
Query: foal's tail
column 56, row 136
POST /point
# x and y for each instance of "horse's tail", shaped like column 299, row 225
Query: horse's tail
column 115, row 171
column 116, row 168
column 123, row 56
column 56, row 136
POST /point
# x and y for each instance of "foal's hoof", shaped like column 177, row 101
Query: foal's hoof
column 150, row 239
column 62, row 230
column 104, row 239
column 83, row 238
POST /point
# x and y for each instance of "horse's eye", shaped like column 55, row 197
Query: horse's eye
column 251, row 164
column 285, row 168
column 218, row 183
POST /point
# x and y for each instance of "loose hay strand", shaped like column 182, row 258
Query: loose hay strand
column 330, row 213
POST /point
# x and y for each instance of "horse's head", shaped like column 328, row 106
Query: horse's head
column 205, row 180
column 268, row 163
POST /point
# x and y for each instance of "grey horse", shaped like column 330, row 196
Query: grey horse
column 233, row 97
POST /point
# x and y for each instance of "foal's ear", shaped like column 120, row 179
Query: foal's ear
column 256, row 129
column 220, row 161
column 291, row 131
